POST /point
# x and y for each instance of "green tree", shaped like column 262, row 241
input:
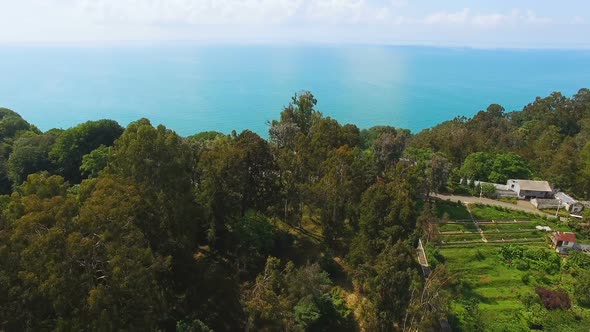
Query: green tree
column 395, row 269
column 30, row 154
column 76, row 142
column 477, row 166
column 509, row 166
column 94, row 162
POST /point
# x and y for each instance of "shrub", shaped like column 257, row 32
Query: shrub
column 582, row 289
column 526, row 278
column 522, row 265
column 578, row 259
column 554, row 299
column 511, row 252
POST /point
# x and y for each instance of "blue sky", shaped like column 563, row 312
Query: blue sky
column 500, row 23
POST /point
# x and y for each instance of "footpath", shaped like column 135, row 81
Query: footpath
column 524, row 206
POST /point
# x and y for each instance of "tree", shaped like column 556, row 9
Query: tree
column 12, row 125
column 509, row 166
column 387, row 214
column 73, row 269
column 293, row 298
column 301, row 111
column 335, row 192
column 430, row 302
column 389, row 146
column 427, row 222
column 30, row 154
column 438, row 170
column 477, row 166
column 158, row 161
column 94, row 162
column 72, row 144
column 395, row 269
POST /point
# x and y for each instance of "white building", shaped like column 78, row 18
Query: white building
column 526, row 189
column 569, row 203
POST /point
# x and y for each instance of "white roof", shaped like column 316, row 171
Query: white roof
column 565, row 198
column 532, row 185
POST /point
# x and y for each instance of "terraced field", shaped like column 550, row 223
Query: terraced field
column 489, row 293
column 495, row 286
column 508, row 232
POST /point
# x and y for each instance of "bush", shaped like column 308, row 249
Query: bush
column 511, row 252
column 554, row 299
column 522, row 265
column 578, row 259
column 582, row 289
column 488, row 190
column 526, row 278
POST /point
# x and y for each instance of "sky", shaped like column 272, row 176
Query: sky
column 498, row 23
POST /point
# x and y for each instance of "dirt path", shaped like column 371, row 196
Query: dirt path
column 521, row 205
column 483, row 238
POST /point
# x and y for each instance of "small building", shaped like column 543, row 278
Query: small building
column 569, row 203
column 502, row 190
column 563, row 241
column 546, row 203
column 527, row 189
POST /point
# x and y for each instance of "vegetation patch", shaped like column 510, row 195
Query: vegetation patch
column 487, row 212
column 497, row 288
column 451, row 210
column 554, row 299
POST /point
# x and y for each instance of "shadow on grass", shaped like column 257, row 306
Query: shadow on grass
column 467, row 294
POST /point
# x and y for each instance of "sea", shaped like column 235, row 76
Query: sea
column 192, row 88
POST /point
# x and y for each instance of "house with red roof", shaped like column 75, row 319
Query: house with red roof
column 563, row 241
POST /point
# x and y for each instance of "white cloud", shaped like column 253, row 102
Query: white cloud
column 445, row 17
column 347, row 12
column 467, row 17
column 263, row 20
column 195, row 12
column 578, row 20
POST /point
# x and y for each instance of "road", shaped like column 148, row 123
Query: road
column 520, row 205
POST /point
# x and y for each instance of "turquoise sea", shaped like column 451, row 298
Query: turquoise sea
column 193, row 88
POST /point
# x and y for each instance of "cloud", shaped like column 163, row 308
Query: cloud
column 364, row 21
column 578, row 20
column 467, row 17
column 444, row 17
column 348, row 12
column 194, row 12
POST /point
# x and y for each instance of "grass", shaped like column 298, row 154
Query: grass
column 511, row 200
column 461, row 237
column 489, row 292
column 459, row 227
column 491, row 227
column 454, row 211
column 487, row 280
column 515, row 235
column 562, row 212
column 496, row 289
column 486, row 212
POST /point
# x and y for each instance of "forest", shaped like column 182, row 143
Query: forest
column 313, row 229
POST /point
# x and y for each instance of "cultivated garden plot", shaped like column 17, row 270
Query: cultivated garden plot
column 497, row 280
